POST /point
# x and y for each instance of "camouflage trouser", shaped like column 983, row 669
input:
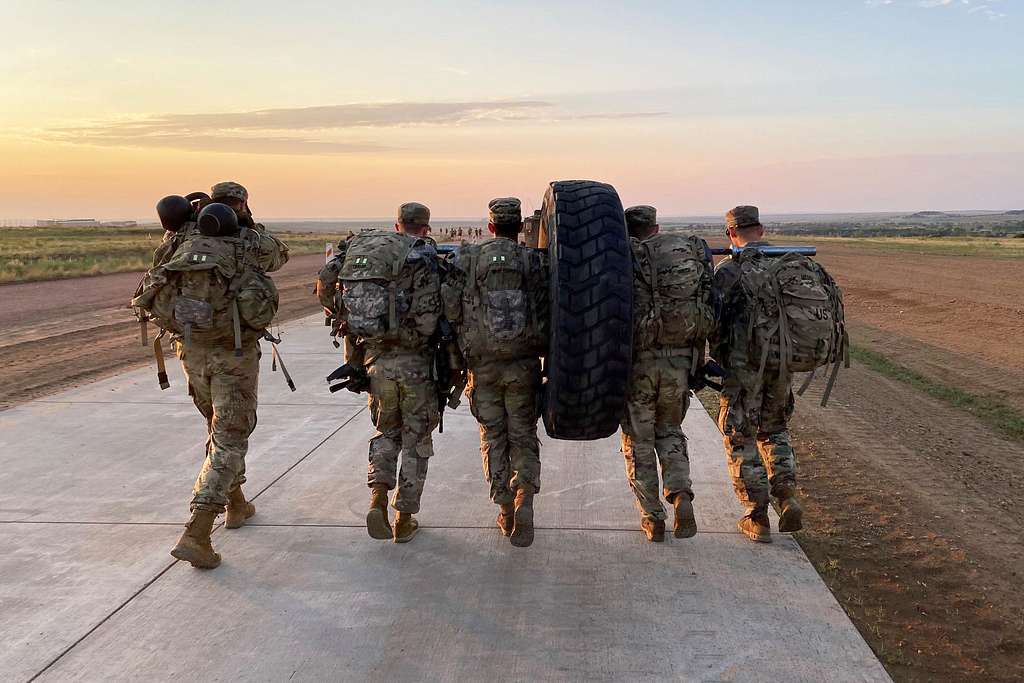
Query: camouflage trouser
column 503, row 398
column 403, row 407
column 652, row 432
column 757, row 444
column 223, row 387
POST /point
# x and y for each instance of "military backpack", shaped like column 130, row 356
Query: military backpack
column 209, row 291
column 504, row 302
column 375, row 282
column 795, row 317
column 673, row 293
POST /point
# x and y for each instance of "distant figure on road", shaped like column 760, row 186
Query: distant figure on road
column 673, row 316
column 496, row 297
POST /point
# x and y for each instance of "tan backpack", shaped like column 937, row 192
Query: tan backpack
column 673, row 292
column 504, row 302
column 796, row 321
column 208, row 291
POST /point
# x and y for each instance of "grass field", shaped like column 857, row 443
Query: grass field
column 28, row 254
column 989, row 247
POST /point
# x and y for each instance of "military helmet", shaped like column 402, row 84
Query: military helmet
column 218, row 220
column 173, row 210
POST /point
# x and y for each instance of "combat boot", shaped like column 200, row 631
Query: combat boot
column 239, row 509
column 685, row 523
column 406, row 527
column 377, row 523
column 654, row 529
column 506, row 518
column 522, row 532
column 194, row 545
column 790, row 513
column 755, row 527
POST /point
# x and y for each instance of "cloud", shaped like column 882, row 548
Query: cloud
column 307, row 130
column 983, row 7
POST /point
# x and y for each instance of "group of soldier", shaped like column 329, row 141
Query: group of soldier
column 490, row 293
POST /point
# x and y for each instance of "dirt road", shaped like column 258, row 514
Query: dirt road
column 62, row 333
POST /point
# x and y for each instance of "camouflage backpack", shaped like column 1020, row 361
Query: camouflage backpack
column 795, row 315
column 673, row 292
column 375, row 280
column 208, row 291
column 504, row 309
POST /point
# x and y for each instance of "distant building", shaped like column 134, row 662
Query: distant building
column 83, row 223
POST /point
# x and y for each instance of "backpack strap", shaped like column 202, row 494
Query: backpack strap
column 655, row 299
column 396, row 270
column 528, row 288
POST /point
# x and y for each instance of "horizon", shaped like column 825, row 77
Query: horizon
column 848, row 106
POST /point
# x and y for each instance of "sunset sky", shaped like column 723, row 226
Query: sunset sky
column 348, row 109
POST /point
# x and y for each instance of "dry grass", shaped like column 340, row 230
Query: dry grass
column 28, row 254
column 989, row 247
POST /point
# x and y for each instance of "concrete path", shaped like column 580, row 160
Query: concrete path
column 94, row 486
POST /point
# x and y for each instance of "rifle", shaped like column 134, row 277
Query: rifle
column 772, row 250
column 446, row 370
column 355, row 379
column 711, row 368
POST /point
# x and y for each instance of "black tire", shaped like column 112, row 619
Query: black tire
column 589, row 359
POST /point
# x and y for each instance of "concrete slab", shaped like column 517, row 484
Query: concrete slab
column 119, row 462
column 57, row 581
column 329, row 604
column 305, row 594
column 583, row 484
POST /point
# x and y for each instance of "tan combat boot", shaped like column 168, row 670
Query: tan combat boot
column 239, row 509
column 406, row 527
column 506, row 518
column 522, row 532
column 686, row 524
column 654, row 529
column 790, row 513
column 194, row 545
column 377, row 523
column 755, row 527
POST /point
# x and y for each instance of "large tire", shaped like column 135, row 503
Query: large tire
column 588, row 364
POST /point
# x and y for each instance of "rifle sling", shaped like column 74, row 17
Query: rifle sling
column 276, row 355
column 161, row 369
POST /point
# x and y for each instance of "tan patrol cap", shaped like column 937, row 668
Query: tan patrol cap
column 742, row 217
column 505, row 211
column 229, row 189
column 641, row 217
column 413, row 213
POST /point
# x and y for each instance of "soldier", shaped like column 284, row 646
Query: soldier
column 754, row 423
column 222, row 381
column 496, row 297
column 672, row 317
column 388, row 332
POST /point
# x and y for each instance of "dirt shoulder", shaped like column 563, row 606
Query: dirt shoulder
column 63, row 333
column 913, row 523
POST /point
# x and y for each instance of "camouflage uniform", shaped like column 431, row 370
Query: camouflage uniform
column 754, row 427
column 656, row 403
column 502, row 390
column 223, row 387
column 403, row 405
